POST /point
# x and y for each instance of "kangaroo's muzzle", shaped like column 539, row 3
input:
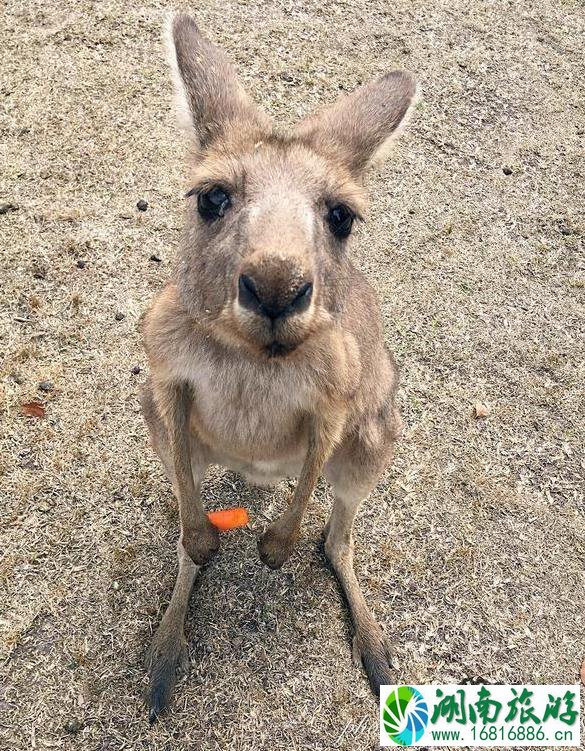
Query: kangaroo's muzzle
column 272, row 302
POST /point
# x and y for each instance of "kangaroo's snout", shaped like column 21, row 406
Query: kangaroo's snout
column 280, row 290
column 272, row 302
column 275, row 286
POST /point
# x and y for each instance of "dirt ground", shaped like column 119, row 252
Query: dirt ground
column 472, row 549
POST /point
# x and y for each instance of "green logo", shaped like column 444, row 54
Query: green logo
column 405, row 715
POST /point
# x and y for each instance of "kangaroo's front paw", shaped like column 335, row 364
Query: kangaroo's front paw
column 201, row 543
column 166, row 660
column 277, row 543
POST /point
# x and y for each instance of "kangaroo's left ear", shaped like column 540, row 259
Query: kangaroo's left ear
column 359, row 129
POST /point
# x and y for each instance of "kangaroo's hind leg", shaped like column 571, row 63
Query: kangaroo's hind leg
column 168, row 654
column 369, row 642
column 353, row 471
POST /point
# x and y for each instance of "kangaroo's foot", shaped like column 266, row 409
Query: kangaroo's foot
column 168, row 657
column 372, row 650
column 167, row 660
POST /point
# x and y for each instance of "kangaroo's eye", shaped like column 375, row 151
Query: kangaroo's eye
column 212, row 204
column 340, row 220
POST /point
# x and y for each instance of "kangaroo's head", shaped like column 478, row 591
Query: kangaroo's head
column 269, row 217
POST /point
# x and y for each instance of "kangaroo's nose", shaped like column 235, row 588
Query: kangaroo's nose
column 273, row 303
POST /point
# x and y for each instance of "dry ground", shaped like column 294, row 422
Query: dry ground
column 472, row 549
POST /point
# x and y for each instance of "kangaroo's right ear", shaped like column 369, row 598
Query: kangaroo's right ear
column 210, row 97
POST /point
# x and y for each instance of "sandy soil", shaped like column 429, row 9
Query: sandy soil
column 471, row 551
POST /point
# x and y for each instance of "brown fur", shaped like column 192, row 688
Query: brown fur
column 322, row 401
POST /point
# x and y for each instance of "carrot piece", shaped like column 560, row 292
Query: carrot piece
column 229, row 518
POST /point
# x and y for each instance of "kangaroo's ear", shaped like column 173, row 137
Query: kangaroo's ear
column 360, row 128
column 210, row 99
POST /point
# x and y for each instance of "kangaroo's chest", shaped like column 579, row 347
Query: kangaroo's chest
column 252, row 415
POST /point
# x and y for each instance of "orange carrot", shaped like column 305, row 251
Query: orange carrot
column 229, row 518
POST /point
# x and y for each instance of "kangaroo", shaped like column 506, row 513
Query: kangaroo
column 266, row 349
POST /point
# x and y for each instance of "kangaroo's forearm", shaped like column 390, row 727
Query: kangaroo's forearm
column 322, row 438
column 190, row 507
column 199, row 538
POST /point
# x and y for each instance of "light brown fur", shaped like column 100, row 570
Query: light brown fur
column 304, row 392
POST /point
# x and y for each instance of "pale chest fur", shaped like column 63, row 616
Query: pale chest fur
column 251, row 414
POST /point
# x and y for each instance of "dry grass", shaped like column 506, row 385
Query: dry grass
column 472, row 550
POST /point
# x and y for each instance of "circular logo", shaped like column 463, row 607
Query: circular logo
column 405, row 715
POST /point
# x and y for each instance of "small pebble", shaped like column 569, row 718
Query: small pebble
column 156, row 258
column 46, row 386
column 116, row 586
column 120, row 316
column 73, row 725
column 6, row 207
column 135, row 370
column 142, row 205
column 81, row 264
column 480, row 410
column 507, row 170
